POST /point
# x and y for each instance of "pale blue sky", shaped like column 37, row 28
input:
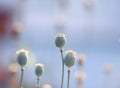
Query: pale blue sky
column 94, row 32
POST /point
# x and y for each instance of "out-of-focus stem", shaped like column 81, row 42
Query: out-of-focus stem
column 107, row 81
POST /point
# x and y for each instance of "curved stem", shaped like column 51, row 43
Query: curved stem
column 21, row 80
column 68, row 81
column 38, row 82
column 62, row 80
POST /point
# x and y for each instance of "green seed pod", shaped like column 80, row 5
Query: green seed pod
column 69, row 58
column 60, row 40
column 39, row 70
column 22, row 57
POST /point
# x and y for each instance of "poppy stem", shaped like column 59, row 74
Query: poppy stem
column 38, row 82
column 62, row 80
column 68, row 81
column 21, row 80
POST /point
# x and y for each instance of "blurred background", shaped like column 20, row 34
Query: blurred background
column 92, row 29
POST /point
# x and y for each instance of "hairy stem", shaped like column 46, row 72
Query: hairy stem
column 62, row 80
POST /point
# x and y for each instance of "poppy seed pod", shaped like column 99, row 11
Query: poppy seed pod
column 39, row 69
column 89, row 3
column 61, row 21
column 80, row 77
column 13, row 68
column 47, row 86
column 17, row 26
column 60, row 40
column 81, row 60
column 69, row 58
column 22, row 57
column 108, row 68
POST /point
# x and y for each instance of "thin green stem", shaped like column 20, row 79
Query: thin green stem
column 62, row 80
column 68, row 81
column 21, row 80
column 38, row 82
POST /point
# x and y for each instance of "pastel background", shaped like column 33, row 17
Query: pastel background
column 90, row 30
